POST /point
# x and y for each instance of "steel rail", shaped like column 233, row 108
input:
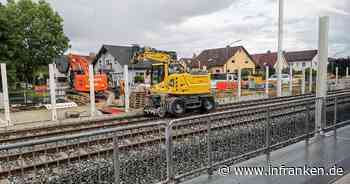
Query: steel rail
column 57, row 130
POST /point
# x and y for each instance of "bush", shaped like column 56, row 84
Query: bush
column 139, row 79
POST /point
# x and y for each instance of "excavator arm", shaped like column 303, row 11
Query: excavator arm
column 148, row 54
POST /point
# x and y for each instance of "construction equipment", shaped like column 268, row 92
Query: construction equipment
column 173, row 90
column 79, row 75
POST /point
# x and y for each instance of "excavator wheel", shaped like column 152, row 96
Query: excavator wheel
column 176, row 106
column 162, row 112
column 208, row 104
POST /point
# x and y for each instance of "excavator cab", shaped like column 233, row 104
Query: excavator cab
column 157, row 74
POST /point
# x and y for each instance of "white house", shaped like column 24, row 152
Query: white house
column 295, row 59
column 111, row 60
column 300, row 59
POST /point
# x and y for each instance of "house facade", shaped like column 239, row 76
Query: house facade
column 112, row 59
column 302, row 59
column 224, row 60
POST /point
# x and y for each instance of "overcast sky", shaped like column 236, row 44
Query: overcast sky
column 189, row 26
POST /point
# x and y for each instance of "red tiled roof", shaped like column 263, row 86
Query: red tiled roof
column 265, row 59
column 217, row 57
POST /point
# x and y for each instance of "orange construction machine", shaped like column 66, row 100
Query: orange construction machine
column 79, row 75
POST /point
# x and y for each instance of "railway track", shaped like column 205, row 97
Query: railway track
column 79, row 148
column 13, row 136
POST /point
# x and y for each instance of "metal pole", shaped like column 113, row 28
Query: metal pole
column 303, row 81
column 280, row 48
column 310, row 77
column 126, row 88
column 291, row 80
column 53, row 92
column 210, row 150
column 92, row 91
column 239, row 84
column 5, row 94
column 308, row 121
column 336, row 76
column 267, row 131
column 169, row 154
column 335, row 118
column 321, row 86
column 267, row 82
column 116, row 163
column 347, row 72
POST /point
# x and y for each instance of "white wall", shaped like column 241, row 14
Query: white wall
column 307, row 64
column 108, row 62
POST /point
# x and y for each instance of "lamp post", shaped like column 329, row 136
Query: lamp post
column 280, row 48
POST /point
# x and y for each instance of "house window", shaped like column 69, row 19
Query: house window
column 217, row 71
column 228, row 71
column 233, row 61
column 107, row 62
column 246, row 62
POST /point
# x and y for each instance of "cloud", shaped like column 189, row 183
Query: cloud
column 327, row 6
column 189, row 26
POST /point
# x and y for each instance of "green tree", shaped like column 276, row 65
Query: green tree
column 33, row 34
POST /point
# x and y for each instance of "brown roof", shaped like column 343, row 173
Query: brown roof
column 298, row 56
column 270, row 58
column 217, row 57
column 265, row 59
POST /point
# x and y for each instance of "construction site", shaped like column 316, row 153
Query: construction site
column 141, row 114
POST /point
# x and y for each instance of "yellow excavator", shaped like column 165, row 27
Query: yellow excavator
column 173, row 91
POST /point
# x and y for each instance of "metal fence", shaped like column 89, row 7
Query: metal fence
column 226, row 138
column 168, row 152
column 132, row 154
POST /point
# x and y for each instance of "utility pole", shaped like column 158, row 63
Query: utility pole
column 303, row 81
column 291, row 80
column 53, row 92
column 92, row 91
column 321, row 86
column 126, row 88
column 5, row 94
column 239, row 84
column 311, row 75
column 280, row 48
column 267, row 81
column 336, row 76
